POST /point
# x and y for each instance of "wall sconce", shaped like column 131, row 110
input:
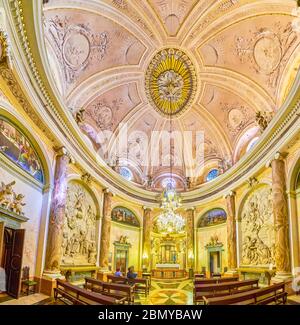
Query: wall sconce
column 191, row 255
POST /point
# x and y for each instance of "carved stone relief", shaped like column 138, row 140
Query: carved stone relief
column 237, row 117
column 257, row 228
column 102, row 113
column 75, row 45
column 79, row 237
column 267, row 50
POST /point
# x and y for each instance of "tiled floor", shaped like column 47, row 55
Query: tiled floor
column 166, row 292
column 294, row 300
column 26, row 300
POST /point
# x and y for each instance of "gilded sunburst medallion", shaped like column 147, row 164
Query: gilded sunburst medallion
column 171, row 82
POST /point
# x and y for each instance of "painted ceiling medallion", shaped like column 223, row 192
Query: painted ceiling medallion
column 171, row 82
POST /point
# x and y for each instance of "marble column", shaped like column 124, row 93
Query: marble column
column 190, row 215
column 147, row 223
column 231, row 233
column 105, row 230
column 281, row 219
column 57, row 213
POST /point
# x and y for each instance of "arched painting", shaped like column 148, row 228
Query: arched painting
column 16, row 146
column 212, row 217
column 124, row 215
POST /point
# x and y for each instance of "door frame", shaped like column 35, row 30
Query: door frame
column 121, row 247
column 212, row 249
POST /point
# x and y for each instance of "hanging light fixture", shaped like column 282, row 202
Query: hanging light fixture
column 169, row 221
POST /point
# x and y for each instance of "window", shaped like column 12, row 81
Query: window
column 168, row 182
column 212, row 175
column 252, row 143
column 126, row 173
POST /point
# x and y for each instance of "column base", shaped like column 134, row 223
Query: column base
column 231, row 272
column 102, row 274
column 285, row 277
column 53, row 275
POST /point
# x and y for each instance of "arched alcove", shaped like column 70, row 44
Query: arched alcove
column 211, row 241
column 125, row 238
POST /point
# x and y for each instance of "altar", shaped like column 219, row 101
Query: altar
column 167, row 266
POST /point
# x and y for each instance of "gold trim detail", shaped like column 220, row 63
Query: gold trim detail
column 171, row 82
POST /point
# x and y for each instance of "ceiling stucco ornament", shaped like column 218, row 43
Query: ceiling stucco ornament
column 171, row 82
column 3, row 46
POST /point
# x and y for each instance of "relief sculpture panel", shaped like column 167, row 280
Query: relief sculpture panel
column 257, row 228
column 79, row 237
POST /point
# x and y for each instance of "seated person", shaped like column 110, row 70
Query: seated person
column 131, row 274
column 118, row 272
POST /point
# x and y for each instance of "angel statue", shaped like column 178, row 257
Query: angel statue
column 6, row 194
column 17, row 205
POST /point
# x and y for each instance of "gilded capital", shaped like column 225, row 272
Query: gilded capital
column 108, row 192
column 87, row 178
column 279, row 156
column 3, row 46
column 147, row 208
column 62, row 151
column 190, row 209
column 230, row 194
column 252, row 181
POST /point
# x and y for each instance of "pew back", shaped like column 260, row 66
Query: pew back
column 216, row 280
column 79, row 296
column 116, row 290
column 275, row 293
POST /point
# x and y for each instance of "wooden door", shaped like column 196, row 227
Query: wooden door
column 14, row 261
column 121, row 260
column 1, row 243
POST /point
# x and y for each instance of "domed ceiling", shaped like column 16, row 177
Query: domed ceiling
column 200, row 69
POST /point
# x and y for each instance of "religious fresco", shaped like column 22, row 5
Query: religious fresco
column 15, row 146
column 212, row 217
column 124, row 215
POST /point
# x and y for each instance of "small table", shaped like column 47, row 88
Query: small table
column 147, row 276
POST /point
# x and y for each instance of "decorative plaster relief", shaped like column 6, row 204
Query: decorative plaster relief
column 75, row 45
column 79, row 237
column 257, row 228
column 267, row 50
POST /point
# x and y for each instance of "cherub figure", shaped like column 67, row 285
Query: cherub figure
column 17, row 205
column 6, row 194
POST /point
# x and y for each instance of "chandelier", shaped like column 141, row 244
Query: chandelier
column 170, row 222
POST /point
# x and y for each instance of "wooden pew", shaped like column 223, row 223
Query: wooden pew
column 273, row 294
column 141, row 284
column 215, row 280
column 116, row 279
column 78, row 296
column 223, row 289
column 116, row 290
